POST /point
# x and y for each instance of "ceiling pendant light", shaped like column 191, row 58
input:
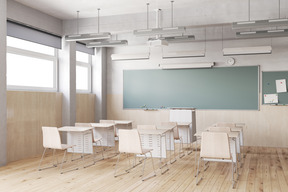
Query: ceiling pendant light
column 158, row 30
column 260, row 23
column 90, row 36
column 108, row 43
column 178, row 39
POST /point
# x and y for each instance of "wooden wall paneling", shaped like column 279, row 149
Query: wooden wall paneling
column 85, row 108
column 265, row 128
column 27, row 112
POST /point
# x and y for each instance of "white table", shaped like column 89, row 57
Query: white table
column 170, row 144
column 106, row 132
column 184, row 132
column 81, row 137
column 155, row 139
column 122, row 124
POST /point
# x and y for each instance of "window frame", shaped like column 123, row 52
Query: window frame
column 89, row 66
column 32, row 54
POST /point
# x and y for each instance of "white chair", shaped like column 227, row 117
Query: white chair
column 115, row 132
column 96, row 140
column 112, row 122
column 52, row 140
column 177, row 137
column 234, row 127
column 215, row 147
column 130, row 143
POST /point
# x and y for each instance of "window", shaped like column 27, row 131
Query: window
column 31, row 66
column 83, row 72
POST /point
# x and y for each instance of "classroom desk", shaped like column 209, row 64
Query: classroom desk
column 233, row 146
column 81, row 137
column 122, row 124
column 170, row 144
column 106, row 132
column 184, row 132
column 155, row 139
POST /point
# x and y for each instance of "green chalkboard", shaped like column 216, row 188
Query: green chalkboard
column 269, row 85
column 215, row 88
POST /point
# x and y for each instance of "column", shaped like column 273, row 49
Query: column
column 67, row 82
column 3, row 113
column 99, row 83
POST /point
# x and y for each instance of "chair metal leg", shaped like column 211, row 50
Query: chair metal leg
column 181, row 148
column 148, row 177
column 43, row 155
column 198, row 171
column 233, row 182
column 116, row 166
column 102, row 149
column 64, row 155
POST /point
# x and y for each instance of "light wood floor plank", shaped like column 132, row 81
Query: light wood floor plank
column 264, row 169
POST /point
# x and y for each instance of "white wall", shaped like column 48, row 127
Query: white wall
column 266, row 127
column 36, row 19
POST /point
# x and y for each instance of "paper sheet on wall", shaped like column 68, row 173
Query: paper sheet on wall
column 281, row 86
column 270, row 98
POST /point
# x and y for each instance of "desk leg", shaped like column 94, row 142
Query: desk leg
column 165, row 164
column 172, row 136
column 83, row 150
column 189, row 143
column 197, row 171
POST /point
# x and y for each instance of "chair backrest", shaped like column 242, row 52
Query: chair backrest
column 215, row 145
column 51, row 138
column 175, row 129
column 129, row 141
column 82, row 125
column 220, row 129
column 225, row 124
column 110, row 121
column 94, row 137
column 146, row 126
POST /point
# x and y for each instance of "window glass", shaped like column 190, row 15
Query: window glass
column 82, row 57
column 30, row 46
column 29, row 71
column 82, row 78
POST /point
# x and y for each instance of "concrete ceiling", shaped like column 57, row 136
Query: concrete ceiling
column 67, row 9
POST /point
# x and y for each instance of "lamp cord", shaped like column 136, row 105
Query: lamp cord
column 98, row 20
column 279, row 9
column 249, row 9
column 172, row 13
column 147, row 15
column 77, row 23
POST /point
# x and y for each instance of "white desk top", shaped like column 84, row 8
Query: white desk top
column 122, row 122
column 233, row 134
column 75, row 129
column 237, row 129
column 99, row 125
column 168, row 127
column 183, row 123
column 152, row 131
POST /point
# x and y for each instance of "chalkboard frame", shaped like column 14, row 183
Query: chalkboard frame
column 231, row 74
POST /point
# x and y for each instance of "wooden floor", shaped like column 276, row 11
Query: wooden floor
column 264, row 169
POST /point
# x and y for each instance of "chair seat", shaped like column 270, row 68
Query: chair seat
column 97, row 139
column 146, row 150
column 65, row 146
